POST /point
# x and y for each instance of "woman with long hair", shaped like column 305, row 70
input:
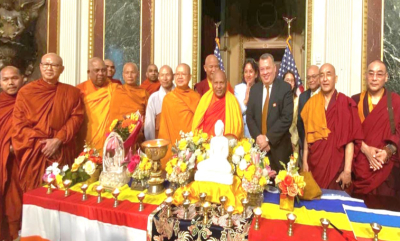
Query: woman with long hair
column 289, row 77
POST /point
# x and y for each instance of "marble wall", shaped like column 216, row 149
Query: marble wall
column 391, row 43
column 122, row 33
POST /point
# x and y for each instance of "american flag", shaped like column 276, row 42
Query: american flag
column 218, row 54
column 289, row 64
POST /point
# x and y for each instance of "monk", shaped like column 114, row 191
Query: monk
column 210, row 66
column 129, row 98
column 97, row 93
column 111, row 71
column 11, row 81
column 219, row 104
column 153, row 110
column 151, row 84
column 333, row 133
column 178, row 109
column 376, row 167
column 47, row 116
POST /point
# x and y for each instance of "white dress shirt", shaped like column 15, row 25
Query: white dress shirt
column 315, row 92
column 240, row 94
column 154, row 106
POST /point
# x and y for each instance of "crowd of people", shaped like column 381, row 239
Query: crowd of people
column 346, row 143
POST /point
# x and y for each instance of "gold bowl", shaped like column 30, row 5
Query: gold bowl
column 155, row 149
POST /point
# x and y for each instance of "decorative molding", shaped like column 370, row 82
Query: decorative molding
column 309, row 9
column 364, row 45
column 241, row 56
column 195, row 49
column 91, row 29
column 152, row 32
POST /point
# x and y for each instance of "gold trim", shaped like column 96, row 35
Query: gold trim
column 241, row 56
column 364, row 45
column 152, row 32
column 382, row 27
column 104, row 28
column 91, row 30
column 195, row 41
column 309, row 25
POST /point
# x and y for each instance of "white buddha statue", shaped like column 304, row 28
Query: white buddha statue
column 216, row 168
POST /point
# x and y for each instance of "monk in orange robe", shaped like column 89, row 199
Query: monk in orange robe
column 210, row 66
column 333, row 133
column 178, row 109
column 151, row 84
column 219, row 104
column 10, row 191
column 129, row 98
column 97, row 93
column 111, row 71
column 47, row 116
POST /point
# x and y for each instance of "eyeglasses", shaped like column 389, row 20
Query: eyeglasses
column 379, row 75
column 309, row 77
column 48, row 65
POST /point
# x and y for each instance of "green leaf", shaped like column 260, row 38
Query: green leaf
column 283, row 164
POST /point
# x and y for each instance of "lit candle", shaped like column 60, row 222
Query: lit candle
column 67, row 183
column 230, row 209
column 168, row 192
column 291, row 216
column 84, row 186
column 169, row 200
column 141, row 194
column 257, row 211
column 99, row 188
column 206, row 204
column 116, row 191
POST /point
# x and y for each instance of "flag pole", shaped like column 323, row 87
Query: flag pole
column 216, row 28
column 289, row 22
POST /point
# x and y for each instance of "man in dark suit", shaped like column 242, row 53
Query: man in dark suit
column 313, row 88
column 270, row 112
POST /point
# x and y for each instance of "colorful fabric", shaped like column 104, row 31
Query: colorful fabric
column 150, row 86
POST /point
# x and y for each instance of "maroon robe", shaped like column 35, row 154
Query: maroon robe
column 377, row 133
column 202, row 87
column 326, row 158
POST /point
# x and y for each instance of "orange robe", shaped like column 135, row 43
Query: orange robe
column 211, row 109
column 151, row 87
column 177, row 114
column 97, row 110
column 10, row 190
column 44, row 111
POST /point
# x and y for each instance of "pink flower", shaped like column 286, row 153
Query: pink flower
column 256, row 158
column 133, row 163
column 188, row 154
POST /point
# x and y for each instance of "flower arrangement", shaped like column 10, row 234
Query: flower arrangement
column 190, row 149
column 252, row 165
column 289, row 182
column 139, row 167
column 126, row 126
column 54, row 175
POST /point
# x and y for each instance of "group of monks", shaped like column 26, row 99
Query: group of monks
column 343, row 140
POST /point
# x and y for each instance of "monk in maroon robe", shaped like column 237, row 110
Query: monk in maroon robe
column 332, row 133
column 377, row 168
column 10, row 191
column 47, row 116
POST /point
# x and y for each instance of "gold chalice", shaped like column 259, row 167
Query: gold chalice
column 186, row 205
column 155, row 150
column 229, row 219
column 99, row 190
column 291, row 217
column 223, row 200
column 50, row 181
column 141, row 196
column 257, row 213
column 115, row 194
column 376, row 228
column 169, row 192
column 84, row 187
column 245, row 203
column 168, row 201
column 67, row 183
column 202, row 197
column 325, row 224
column 206, row 207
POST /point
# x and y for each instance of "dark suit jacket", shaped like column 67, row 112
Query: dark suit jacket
column 303, row 98
column 279, row 119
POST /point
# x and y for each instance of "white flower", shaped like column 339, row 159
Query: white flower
column 49, row 169
column 80, row 159
column 192, row 162
column 265, row 172
column 235, row 159
column 240, row 151
column 65, row 168
column 89, row 167
column 197, row 152
column 243, row 164
column 232, row 143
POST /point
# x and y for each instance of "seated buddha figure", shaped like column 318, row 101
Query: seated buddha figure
column 216, row 168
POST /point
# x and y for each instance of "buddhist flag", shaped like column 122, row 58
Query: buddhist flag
column 289, row 64
column 218, row 54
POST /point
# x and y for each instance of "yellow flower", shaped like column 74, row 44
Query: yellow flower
column 182, row 145
column 299, row 180
column 266, row 161
column 247, row 157
column 74, row 167
column 246, row 146
column 196, row 140
column 262, row 181
column 206, row 146
column 204, row 136
column 183, row 167
column 248, row 174
column 113, row 124
column 295, row 155
column 80, row 159
column 174, row 161
column 200, row 158
column 142, row 165
column 148, row 166
column 131, row 128
column 281, row 175
column 168, row 169
column 239, row 172
column 89, row 167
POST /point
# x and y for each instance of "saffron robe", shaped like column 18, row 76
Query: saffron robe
column 211, row 109
column 97, row 111
column 177, row 114
column 10, row 190
column 377, row 133
column 44, row 111
column 203, row 86
column 326, row 156
column 150, row 86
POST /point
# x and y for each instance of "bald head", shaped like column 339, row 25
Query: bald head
column 11, row 80
column 130, row 73
column 377, row 76
column 182, row 76
column 328, row 78
column 312, row 78
column 210, row 66
column 165, row 77
column 110, row 68
column 51, row 67
column 219, row 83
column 152, row 73
column 97, row 72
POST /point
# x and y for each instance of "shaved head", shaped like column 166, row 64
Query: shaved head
column 110, row 68
column 219, row 83
column 11, row 80
column 51, row 67
column 97, row 72
column 210, row 66
column 130, row 73
column 328, row 78
column 182, row 76
column 152, row 72
column 312, row 78
column 377, row 77
column 165, row 77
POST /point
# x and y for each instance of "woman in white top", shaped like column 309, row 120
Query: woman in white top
column 289, row 78
column 242, row 90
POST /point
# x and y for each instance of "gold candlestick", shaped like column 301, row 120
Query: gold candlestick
column 202, row 196
column 168, row 201
column 325, row 223
column 99, row 190
column 169, row 192
column 229, row 219
column 257, row 213
column 185, row 195
column 84, row 187
column 115, row 194
column 49, row 182
column 291, row 217
column 186, row 205
column 141, row 196
column 223, row 200
column 376, row 228
column 245, row 202
column 206, row 207
column 67, row 183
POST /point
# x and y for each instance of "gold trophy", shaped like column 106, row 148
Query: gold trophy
column 376, row 228
column 155, row 150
